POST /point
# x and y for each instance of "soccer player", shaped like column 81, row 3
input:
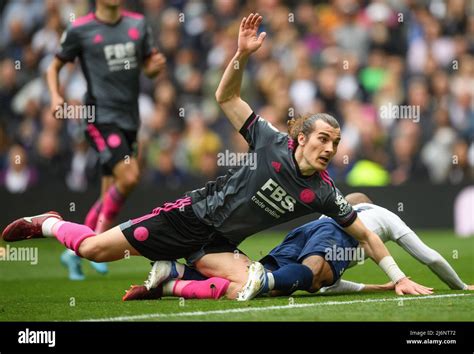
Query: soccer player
column 112, row 46
column 312, row 257
column 376, row 217
column 316, row 245
column 208, row 223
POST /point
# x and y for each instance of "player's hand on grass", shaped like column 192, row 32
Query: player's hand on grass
column 249, row 42
column 407, row 286
column 155, row 63
column 57, row 102
column 470, row 287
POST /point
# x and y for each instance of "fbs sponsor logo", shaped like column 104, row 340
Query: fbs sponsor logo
column 121, row 56
column 274, row 199
column 37, row 337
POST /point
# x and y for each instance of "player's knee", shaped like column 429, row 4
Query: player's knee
column 231, row 267
column 130, row 179
column 92, row 250
column 314, row 266
column 133, row 177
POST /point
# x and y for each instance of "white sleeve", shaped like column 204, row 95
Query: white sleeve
column 342, row 286
column 394, row 225
column 387, row 225
column 426, row 255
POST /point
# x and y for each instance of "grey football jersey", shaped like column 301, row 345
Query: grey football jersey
column 111, row 56
column 248, row 200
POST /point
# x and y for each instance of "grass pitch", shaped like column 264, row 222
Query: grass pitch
column 42, row 292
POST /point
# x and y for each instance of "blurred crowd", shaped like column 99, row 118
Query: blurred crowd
column 350, row 58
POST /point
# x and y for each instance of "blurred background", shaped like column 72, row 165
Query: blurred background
column 350, row 58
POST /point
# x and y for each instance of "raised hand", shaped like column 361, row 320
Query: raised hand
column 249, row 42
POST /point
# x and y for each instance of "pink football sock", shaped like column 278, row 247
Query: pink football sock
column 212, row 288
column 113, row 201
column 71, row 235
column 93, row 214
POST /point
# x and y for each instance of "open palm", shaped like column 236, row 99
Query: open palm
column 248, row 40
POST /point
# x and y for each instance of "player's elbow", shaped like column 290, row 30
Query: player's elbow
column 223, row 98
column 433, row 259
column 220, row 98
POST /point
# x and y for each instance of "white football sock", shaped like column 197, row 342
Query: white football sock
column 271, row 281
column 47, row 227
column 168, row 287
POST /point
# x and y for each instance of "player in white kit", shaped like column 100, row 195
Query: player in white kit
column 391, row 228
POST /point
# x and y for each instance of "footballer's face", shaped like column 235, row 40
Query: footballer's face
column 320, row 146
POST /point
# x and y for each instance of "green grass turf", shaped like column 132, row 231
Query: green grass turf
column 42, row 292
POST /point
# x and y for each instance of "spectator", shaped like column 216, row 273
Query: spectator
column 348, row 58
column 405, row 162
column 18, row 175
column 462, row 167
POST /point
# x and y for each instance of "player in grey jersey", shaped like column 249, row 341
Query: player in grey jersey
column 113, row 46
column 207, row 224
column 316, row 245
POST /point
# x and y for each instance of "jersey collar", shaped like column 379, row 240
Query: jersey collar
column 111, row 24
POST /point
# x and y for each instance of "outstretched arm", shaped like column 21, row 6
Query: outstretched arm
column 426, row 255
column 346, row 286
column 375, row 249
column 228, row 92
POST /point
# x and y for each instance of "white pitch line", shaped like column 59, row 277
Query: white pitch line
column 268, row 308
